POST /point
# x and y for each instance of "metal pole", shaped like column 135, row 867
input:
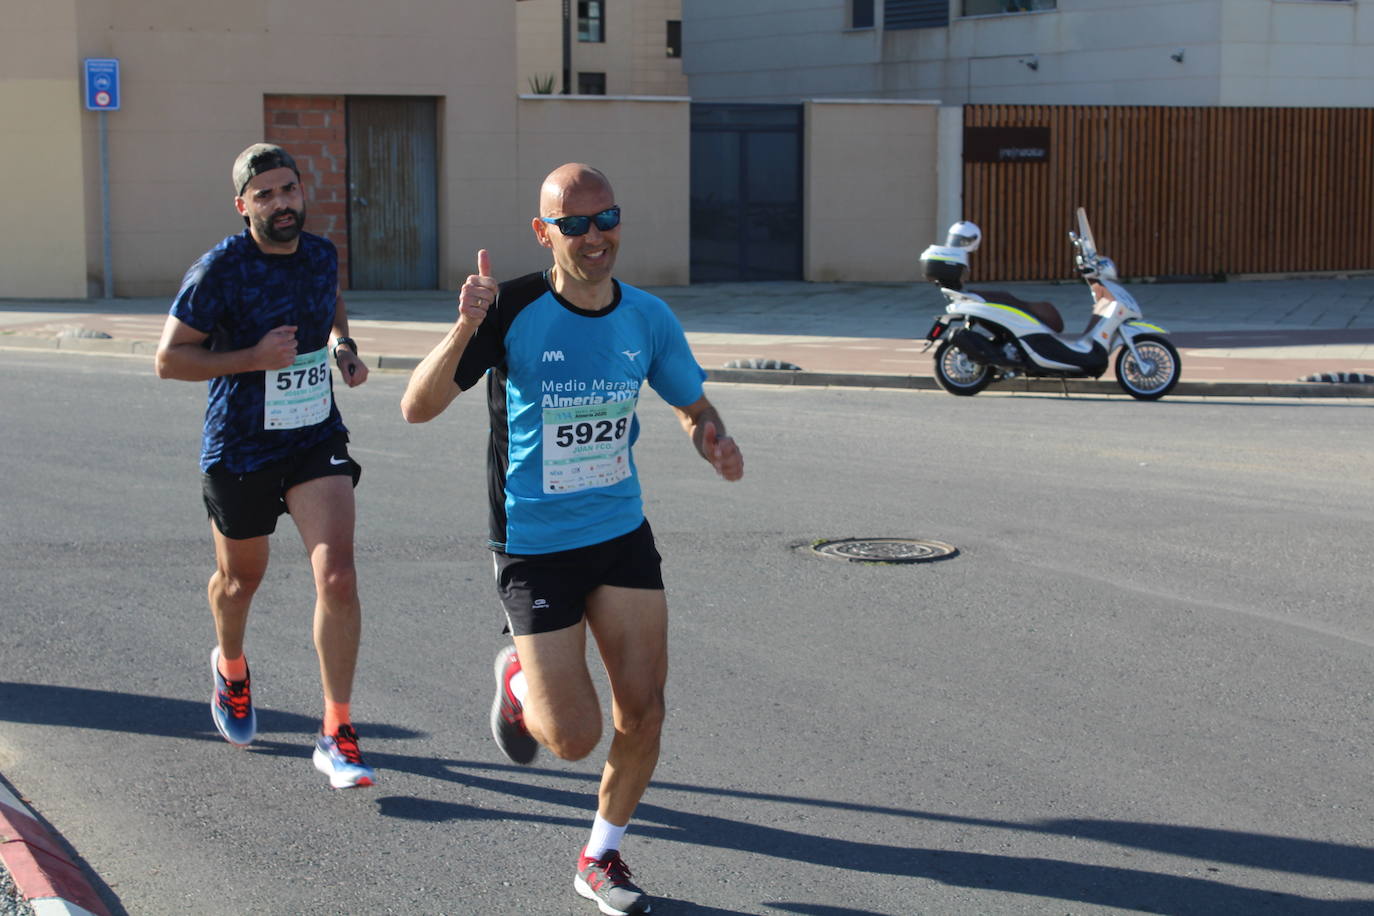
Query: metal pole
column 567, row 47
column 105, row 201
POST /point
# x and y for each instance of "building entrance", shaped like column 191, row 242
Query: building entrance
column 746, row 194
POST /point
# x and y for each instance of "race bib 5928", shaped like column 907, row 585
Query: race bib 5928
column 587, row 446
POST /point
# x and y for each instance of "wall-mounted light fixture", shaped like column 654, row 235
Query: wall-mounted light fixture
column 1032, row 62
column 1177, row 56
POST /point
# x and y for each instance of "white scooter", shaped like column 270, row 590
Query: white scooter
column 989, row 335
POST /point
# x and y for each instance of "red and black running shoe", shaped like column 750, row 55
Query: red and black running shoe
column 507, row 715
column 607, row 881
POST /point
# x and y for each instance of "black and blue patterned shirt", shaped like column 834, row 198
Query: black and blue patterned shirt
column 236, row 293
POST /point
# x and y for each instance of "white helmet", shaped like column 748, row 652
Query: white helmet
column 965, row 235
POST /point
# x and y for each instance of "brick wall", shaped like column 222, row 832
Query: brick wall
column 312, row 128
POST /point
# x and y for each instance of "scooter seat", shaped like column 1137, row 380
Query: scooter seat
column 1044, row 312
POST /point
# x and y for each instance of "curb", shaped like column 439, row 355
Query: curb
column 1043, row 385
column 78, row 344
column 1255, row 389
column 148, row 348
column 45, row 874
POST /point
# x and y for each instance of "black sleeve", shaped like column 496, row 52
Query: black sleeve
column 487, row 348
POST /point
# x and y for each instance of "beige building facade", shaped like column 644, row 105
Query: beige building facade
column 613, row 47
column 451, row 88
column 872, row 188
column 201, row 80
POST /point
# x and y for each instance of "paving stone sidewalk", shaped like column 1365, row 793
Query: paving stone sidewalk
column 1257, row 337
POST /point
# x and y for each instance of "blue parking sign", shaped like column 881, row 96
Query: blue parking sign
column 102, row 84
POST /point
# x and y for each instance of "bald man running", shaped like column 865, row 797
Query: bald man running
column 568, row 350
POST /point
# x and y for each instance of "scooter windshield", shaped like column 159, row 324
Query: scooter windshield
column 1085, row 232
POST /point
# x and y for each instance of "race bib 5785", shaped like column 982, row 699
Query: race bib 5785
column 298, row 395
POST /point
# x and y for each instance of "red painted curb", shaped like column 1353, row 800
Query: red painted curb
column 40, row 866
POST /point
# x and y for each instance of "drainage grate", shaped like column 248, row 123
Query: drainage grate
column 884, row 550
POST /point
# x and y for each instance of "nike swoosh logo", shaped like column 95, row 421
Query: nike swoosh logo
column 337, row 461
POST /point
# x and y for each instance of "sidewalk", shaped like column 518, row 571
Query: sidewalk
column 1241, row 338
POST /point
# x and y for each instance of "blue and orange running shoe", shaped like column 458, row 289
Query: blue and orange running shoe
column 231, row 706
column 337, row 756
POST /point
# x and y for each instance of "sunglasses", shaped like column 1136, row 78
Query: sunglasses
column 606, row 220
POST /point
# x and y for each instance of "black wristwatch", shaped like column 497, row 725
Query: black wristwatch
column 343, row 342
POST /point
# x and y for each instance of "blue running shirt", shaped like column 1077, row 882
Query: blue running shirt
column 236, row 294
column 562, row 392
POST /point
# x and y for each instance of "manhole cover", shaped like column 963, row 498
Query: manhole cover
column 884, row 550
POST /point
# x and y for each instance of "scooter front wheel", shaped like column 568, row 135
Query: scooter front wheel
column 1156, row 372
column 957, row 373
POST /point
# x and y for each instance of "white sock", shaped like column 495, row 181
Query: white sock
column 605, row 838
column 518, row 686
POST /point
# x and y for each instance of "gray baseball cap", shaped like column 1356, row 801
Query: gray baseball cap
column 259, row 158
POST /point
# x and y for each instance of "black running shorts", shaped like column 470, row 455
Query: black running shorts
column 247, row 505
column 548, row 591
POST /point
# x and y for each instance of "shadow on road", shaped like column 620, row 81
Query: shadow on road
column 109, row 710
column 1099, row 885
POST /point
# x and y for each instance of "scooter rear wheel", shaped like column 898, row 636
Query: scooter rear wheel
column 957, row 373
column 1153, row 378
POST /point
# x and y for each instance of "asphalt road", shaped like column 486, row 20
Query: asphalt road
column 1144, row 685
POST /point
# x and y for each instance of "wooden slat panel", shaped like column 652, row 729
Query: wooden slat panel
column 1179, row 191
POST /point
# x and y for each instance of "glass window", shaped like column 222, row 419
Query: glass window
column 915, row 14
column 674, row 37
column 591, row 84
column 591, row 20
column 992, row 7
column 861, row 14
